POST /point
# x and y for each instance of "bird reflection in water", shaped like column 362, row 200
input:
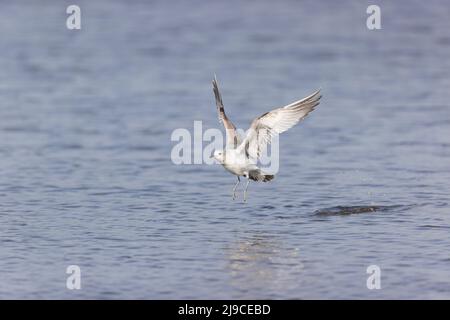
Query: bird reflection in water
column 260, row 265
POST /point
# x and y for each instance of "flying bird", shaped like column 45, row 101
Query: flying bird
column 240, row 155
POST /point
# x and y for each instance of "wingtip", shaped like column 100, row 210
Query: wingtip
column 317, row 93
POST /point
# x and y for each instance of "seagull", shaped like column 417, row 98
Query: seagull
column 240, row 155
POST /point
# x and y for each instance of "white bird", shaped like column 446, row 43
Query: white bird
column 241, row 155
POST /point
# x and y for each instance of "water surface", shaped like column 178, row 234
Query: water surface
column 86, row 176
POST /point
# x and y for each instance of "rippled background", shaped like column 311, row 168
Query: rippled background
column 86, row 176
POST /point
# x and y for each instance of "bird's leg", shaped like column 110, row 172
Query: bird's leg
column 235, row 186
column 245, row 190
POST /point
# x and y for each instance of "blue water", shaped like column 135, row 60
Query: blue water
column 86, row 176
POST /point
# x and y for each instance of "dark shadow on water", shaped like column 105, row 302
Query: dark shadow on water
column 349, row 210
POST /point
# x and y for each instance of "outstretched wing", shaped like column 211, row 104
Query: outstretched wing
column 233, row 138
column 275, row 122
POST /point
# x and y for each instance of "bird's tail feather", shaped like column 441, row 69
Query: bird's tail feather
column 258, row 175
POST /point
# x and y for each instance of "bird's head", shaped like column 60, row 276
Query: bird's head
column 219, row 155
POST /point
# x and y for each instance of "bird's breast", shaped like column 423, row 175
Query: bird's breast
column 236, row 163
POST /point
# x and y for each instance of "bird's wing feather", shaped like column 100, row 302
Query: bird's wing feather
column 275, row 122
column 232, row 137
